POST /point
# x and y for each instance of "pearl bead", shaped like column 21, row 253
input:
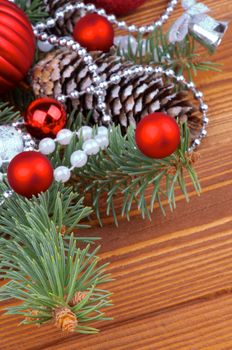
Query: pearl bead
column 102, row 141
column 102, row 131
column 79, row 159
column 62, row 174
column 90, row 147
column 47, row 146
column 85, row 132
column 64, row 136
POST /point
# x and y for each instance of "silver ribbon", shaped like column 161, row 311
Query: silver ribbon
column 194, row 13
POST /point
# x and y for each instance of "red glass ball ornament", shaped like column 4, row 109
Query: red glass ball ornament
column 157, row 135
column 45, row 117
column 94, row 32
column 17, row 45
column 30, row 173
column 117, row 7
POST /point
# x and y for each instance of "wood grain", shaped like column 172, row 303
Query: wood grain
column 173, row 276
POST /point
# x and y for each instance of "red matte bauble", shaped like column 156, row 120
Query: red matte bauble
column 17, row 45
column 94, row 32
column 117, row 7
column 45, row 117
column 157, row 135
column 30, row 173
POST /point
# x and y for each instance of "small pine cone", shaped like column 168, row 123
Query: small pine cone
column 78, row 296
column 64, row 25
column 65, row 320
column 32, row 317
column 62, row 71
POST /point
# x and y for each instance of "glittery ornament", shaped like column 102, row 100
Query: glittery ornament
column 45, row 117
column 11, row 142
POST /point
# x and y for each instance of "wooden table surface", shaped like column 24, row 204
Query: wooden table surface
column 173, row 276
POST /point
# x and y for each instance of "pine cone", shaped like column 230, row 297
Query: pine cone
column 66, row 25
column 65, row 320
column 78, row 296
column 62, row 71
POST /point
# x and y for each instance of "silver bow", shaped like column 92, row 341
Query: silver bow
column 194, row 13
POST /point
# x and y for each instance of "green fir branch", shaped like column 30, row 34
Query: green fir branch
column 7, row 113
column 33, row 8
column 45, row 266
column 123, row 170
column 181, row 57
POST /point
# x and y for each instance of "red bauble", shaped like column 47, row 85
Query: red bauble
column 17, row 45
column 94, row 32
column 45, row 117
column 117, row 7
column 157, row 135
column 30, row 173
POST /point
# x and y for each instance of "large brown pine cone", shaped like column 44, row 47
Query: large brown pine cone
column 62, row 71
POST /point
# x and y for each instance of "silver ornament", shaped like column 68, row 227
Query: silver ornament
column 11, row 142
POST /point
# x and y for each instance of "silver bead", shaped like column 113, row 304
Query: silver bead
column 62, row 42
column 90, row 89
column 159, row 70
column 122, row 25
column 61, row 98
column 115, row 79
column 197, row 142
column 69, row 7
column 53, row 39
column 50, row 23
column 158, row 24
column 111, row 18
column 142, row 30
column 180, row 78
column 205, row 120
column 203, row 133
column 43, row 37
column 82, row 52
column 198, row 94
column 132, row 28
column 59, row 14
column 92, row 68
column 190, row 85
column 40, row 26
column 70, row 43
column 106, row 119
column 148, row 69
column 7, row 194
column 101, row 12
column 75, row 47
column 169, row 73
column 74, row 94
column 164, row 18
column 88, row 59
column 90, row 8
column 204, row 107
column 102, row 105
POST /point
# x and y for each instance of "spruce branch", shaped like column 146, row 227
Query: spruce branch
column 123, row 170
column 7, row 113
column 33, row 8
column 53, row 278
column 181, row 57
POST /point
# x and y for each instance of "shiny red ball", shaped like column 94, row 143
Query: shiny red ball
column 94, row 32
column 17, row 45
column 157, row 135
column 45, row 117
column 30, row 173
column 117, row 7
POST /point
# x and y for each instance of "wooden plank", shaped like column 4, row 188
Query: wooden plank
column 173, row 275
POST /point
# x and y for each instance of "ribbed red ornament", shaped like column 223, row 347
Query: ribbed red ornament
column 45, row 117
column 30, row 173
column 17, row 45
column 157, row 135
column 117, row 7
column 94, row 32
